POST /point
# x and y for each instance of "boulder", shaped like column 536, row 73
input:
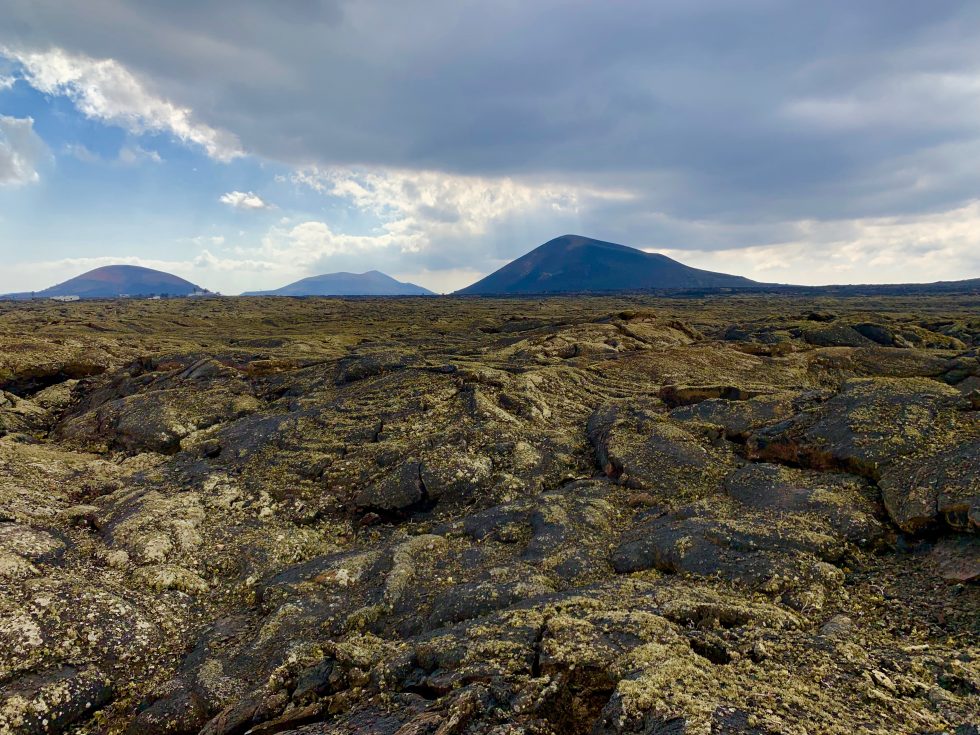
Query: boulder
column 644, row 450
column 836, row 335
column 53, row 701
column 842, row 504
column 370, row 364
column 785, row 557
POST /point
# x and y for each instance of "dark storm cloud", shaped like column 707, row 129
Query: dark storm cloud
column 750, row 112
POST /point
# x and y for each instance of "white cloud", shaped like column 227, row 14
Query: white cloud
column 208, row 240
column 419, row 208
column 923, row 248
column 244, row 200
column 83, row 153
column 208, row 260
column 306, row 243
column 7, row 82
column 421, row 215
column 130, row 155
column 104, row 89
column 21, row 150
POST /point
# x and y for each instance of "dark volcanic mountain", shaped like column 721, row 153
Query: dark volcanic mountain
column 121, row 280
column 574, row 264
column 372, row 283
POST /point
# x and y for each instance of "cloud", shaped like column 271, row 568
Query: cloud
column 238, row 266
column 208, row 240
column 133, row 154
column 437, row 224
column 244, row 200
column 21, row 150
column 706, row 89
column 308, row 243
column 7, row 82
column 104, row 89
column 129, row 155
column 927, row 101
column 934, row 247
column 83, row 153
column 457, row 135
column 422, row 210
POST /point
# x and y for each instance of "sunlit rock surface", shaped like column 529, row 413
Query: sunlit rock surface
column 588, row 515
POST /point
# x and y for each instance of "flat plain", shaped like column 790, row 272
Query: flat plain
column 630, row 514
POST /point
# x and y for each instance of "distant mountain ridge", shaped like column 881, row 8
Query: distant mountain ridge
column 577, row 264
column 112, row 281
column 565, row 265
column 372, row 283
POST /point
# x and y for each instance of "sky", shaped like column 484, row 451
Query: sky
column 244, row 144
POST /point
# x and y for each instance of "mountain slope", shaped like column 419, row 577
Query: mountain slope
column 372, row 283
column 573, row 263
column 118, row 280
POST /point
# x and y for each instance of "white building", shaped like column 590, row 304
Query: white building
column 65, row 298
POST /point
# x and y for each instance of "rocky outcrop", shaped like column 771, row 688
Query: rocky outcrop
column 604, row 515
column 912, row 436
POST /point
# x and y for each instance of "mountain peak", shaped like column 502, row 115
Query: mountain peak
column 575, row 264
column 110, row 281
column 370, row 283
